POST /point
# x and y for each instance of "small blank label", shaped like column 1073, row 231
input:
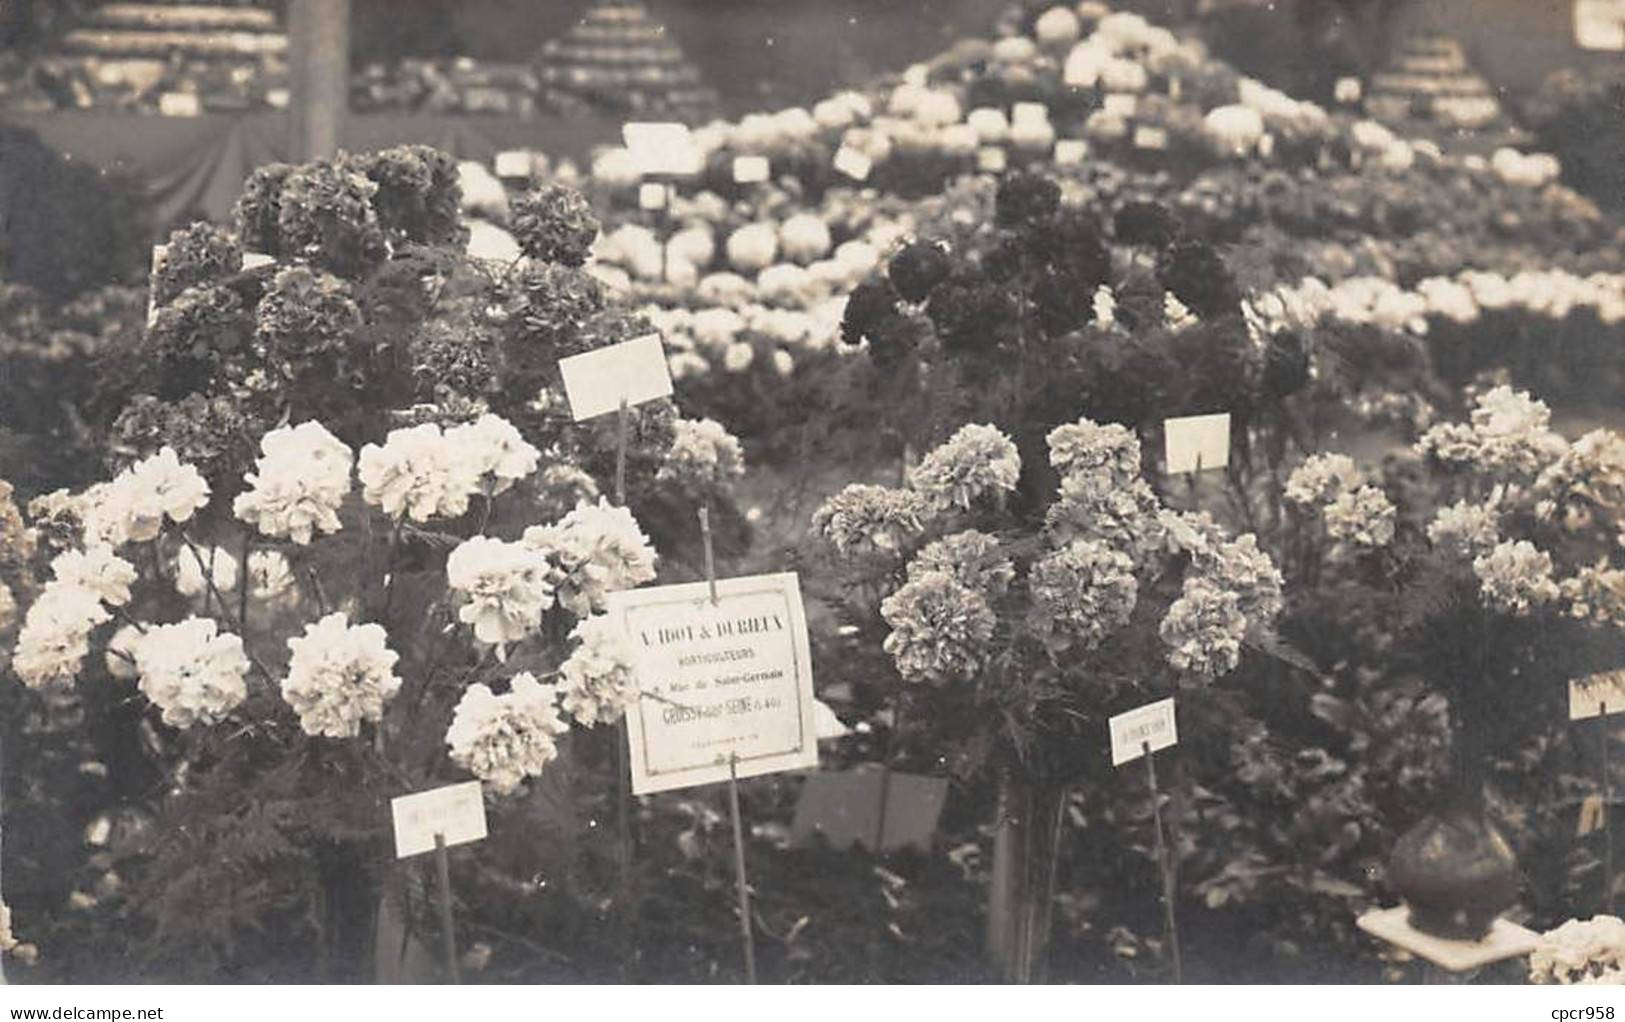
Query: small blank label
column 991, row 160
column 633, row 371
column 455, row 812
column 853, row 164
column 1025, row 113
column 749, row 170
column 1197, row 442
column 1150, row 725
column 514, row 163
column 1599, row 693
column 1070, row 151
column 1121, row 104
column 662, row 148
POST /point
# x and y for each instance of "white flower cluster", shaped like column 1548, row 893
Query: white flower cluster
column 863, row 519
column 1508, row 437
column 1586, row 483
column 1363, row 519
column 1240, row 567
column 940, row 629
column 971, row 557
column 423, row 473
column 1515, row 577
column 597, row 549
column 55, row 636
column 1465, row 529
column 1108, row 455
column 1204, row 629
column 508, row 587
column 132, row 507
column 703, row 456
column 505, row 739
column 24, row 952
column 339, row 675
column 597, row 679
column 1581, row 952
column 1596, row 594
column 300, row 482
column 1321, row 479
column 1081, row 594
column 975, row 461
column 191, row 672
column 97, row 569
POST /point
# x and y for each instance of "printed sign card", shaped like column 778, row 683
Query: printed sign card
column 843, row 807
column 513, row 163
column 254, row 260
column 651, row 196
column 633, row 371
column 1588, row 696
column 853, row 163
column 1599, row 24
column 455, row 812
column 726, row 679
column 1197, row 442
column 662, row 148
column 1070, row 152
column 1151, row 724
column 749, row 170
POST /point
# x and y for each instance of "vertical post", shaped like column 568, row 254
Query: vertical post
column 739, row 870
column 448, row 936
column 319, row 48
column 1607, row 813
column 621, row 426
column 710, row 554
column 623, row 772
column 1163, row 865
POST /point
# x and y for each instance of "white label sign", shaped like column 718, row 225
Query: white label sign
column 513, row 163
column 179, row 104
column 1029, row 113
column 730, row 680
column 662, row 148
column 455, row 812
column 1122, row 104
column 254, row 260
column 1150, row 138
column 1589, row 697
column 991, row 160
column 749, row 170
column 1599, row 24
column 1151, row 726
column 1197, row 442
column 1070, row 151
column 652, row 196
column 853, row 164
column 633, row 371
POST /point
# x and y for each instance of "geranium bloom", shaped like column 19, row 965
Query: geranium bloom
column 597, row 549
column 1109, row 453
column 1238, row 566
column 506, row 584
column 495, row 451
column 339, row 675
column 976, row 460
column 1321, row 479
column 940, row 629
column 132, row 507
column 191, row 673
column 97, row 569
column 55, row 636
column 597, row 679
column 870, row 519
column 504, row 739
column 418, row 474
column 1082, row 594
column 1515, row 577
column 302, row 480
column 703, row 455
column 971, row 557
column 1589, row 952
column 1464, row 529
column 1204, row 629
column 1361, row 518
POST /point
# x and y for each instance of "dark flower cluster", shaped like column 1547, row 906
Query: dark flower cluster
column 554, row 224
column 258, row 209
column 1199, row 278
column 192, row 338
column 970, row 313
column 872, row 315
column 1026, row 200
column 305, row 321
column 546, row 303
column 917, row 268
column 448, row 360
column 199, row 254
column 418, row 195
column 325, row 215
column 1286, row 364
column 1149, row 224
column 213, row 433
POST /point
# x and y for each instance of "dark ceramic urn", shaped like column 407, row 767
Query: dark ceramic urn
column 1456, row 872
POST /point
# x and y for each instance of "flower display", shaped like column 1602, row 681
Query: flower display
column 974, row 462
column 1124, row 518
column 299, row 484
column 863, row 519
column 495, row 451
column 97, row 569
column 1204, row 629
column 135, row 505
column 1321, row 479
column 55, row 636
column 1515, row 576
column 1107, row 456
column 192, row 672
column 596, row 681
column 703, row 456
column 1590, row 951
column 597, row 549
column 507, row 585
column 940, row 629
column 1508, row 436
column 339, row 675
column 1596, row 594
column 417, row 473
column 971, row 557
column 1082, row 594
column 1362, row 518
column 505, row 739
column 1240, row 567
column 1465, row 529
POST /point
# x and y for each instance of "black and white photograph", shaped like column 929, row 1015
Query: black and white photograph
column 730, row 494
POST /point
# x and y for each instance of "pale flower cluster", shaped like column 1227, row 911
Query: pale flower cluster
column 1125, row 518
column 55, row 636
column 299, row 483
column 975, row 461
column 505, row 739
column 1586, row 483
column 1321, row 479
column 422, row 473
column 508, row 586
column 495, row 452
column 1108, row 454
column 1081, row 594
column 1465, row 529
column 596, row 681
column 703, row 456
column 972, row 557
column 1581, row 952
column 339, row 675
column 1515, row 577
column 97, row 569
column 863, row 519
column 1204, row 629
column 1596, row 594
column 191, row 672
column 1362, row 518
column 597, row 549
column 133, row 506
column 1508, row 437
column 1240, row 567
column 940, row 629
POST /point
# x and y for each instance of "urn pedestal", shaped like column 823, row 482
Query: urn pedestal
column 1456, row 872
